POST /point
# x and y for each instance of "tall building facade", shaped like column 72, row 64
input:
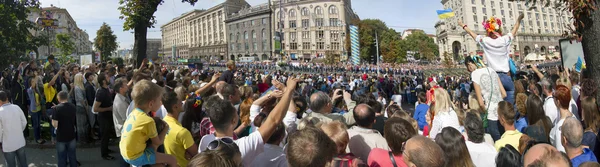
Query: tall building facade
column 539, row 31
column 250, row 33
column 199, row 34
column 312, row 28
column 153, row 48
column 65, row 24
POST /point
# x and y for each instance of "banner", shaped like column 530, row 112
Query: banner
column 571, row 53
column 355, row 45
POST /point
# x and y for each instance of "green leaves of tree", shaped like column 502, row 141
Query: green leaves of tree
column 66, row 45
column 423, row 45
column 105, row 41
column 16, row 39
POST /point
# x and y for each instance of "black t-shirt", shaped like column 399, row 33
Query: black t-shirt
column 67, row 122
column 106, row 100
column 227, row 76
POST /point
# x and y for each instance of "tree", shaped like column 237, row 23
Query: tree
column 66, row 45
column 447, row 61
column 390, row 44
column 423, row 46
column 139, row 16
column 366, row 31
column 16, row 40
column 105, row 41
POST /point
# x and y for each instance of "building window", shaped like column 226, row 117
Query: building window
column 502, row 12
column 245, row 35
column 305, row 35
column 335, row 46
column 501, row 5
column 252, row 22
column 253, row 34
column 319, row 10
column 232, row 46
column 320, row 45
column 305, row 11
column 484, row 11
column 333, row 22
column 472, row 1
column 305, row 23
column 474, row 9
column 293, row 35
column 335, row 35
column 292, row 13
column 319, row 22
column 237, row 37
column 306, row 45
column 493, row 11
column 264, row 21
column 475, row 18
column 254, row 46
column 293, row 46
column 243, row 25
column 333, row 10
column 264, row 45
column 319, row 34
column 483, row 2
column 492, row 3
column 264, row 34
column 246, row 46
column 292, row 24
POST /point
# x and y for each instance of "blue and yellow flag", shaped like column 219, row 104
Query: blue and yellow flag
column 580, row 65
column 446, row 13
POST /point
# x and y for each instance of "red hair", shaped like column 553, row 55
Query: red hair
column 563, row 95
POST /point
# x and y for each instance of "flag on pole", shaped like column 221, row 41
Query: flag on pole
column 446, row 13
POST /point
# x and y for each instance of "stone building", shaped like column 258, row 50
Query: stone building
column 250, row 33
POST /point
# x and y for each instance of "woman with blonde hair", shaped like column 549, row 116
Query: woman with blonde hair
column 442, row 111
column 82, row 108
column 337, row 131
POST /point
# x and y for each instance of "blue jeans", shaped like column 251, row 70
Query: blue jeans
column 494, row 129
column 509, row 87
column 49, row 113
column 35, row 122
column 18, row 155
column 66, row 150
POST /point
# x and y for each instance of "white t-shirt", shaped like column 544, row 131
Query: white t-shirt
column 556, row 135
column 250, row 146
column 550, row 109
column 496, row 51
column 482, row 154
column 487, row 79
column 444, row 119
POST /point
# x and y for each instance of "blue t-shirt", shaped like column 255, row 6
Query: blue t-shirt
column 521, row 124
column 587, row 156
column 419, row 115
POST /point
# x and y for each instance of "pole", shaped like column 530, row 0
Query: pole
column 377, row 47
column 281, row 29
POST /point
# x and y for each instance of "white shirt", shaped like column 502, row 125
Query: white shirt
column 487, row 79
column 12, row 124
column 272, row 156
column 575, row 92
column 120, row 105
column 556, row 136
column 363, row 140
column 550, row 109
column 483, row 154
column 574, row 109
column 444, row 119
column 250, row 146
column 496, row 51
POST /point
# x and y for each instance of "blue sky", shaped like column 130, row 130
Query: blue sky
column 90, row 14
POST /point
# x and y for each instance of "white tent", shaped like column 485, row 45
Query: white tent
column 534, row 57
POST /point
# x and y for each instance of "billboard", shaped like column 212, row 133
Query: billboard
column 85, row 60
column 571, row 53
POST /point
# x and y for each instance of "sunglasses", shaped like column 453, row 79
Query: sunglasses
column 216, row 143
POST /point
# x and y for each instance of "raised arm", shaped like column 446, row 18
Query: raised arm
column 467, row 29
column 517, row 24
column 213, row 81
column 280, row 110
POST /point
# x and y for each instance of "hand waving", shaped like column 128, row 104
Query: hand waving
column 215, row 77
column 292, row 82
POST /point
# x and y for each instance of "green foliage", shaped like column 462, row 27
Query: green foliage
column 447, row 61
column 390, row 44
column 105, row 41
column 118, row 61
column 66, row 45
column 15, row 38
column 423, row 46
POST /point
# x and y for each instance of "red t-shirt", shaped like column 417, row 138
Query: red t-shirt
column 262, row 87
column 364, row 77
column 381, row 158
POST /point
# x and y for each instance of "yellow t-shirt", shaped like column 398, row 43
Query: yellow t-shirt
column 137, row 129
column 49, row 92
column 177, row 140
column 38, row 105
column 511, row 137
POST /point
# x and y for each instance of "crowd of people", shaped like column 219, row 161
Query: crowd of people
column 242, row 116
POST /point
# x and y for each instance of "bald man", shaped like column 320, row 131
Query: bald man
column 363, row 138
column 219, row 86
column 420, row 151
column 545, row 155
column 572, row 135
